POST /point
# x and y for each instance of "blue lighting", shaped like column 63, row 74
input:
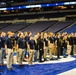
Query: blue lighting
column 39, row 5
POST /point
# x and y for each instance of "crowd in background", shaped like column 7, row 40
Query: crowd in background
column 37, row 46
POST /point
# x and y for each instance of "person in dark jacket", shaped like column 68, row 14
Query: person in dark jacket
column 9, row 43
column 45, row 46
column 36, row 47
column 41, row 47
column 2, row 48
column 72, row 43
column 31, row 49
column 64, row 46
column 21, row 46
column 75, row 43
column 51, row 41
column 59, row 45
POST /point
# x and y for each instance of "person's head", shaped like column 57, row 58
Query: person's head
column 51, row 34
column 65, row 37
column 31, row 38
column 72, row 34
column 19, row 32
column 29, row 34
column 9, row 33
column 35, row 36
column 45, row 35
column 3, row 34
column 62, row 34
column 25, row 33
column 37, row 33
column 58, row 35
column 12, row 33
column 68, row 35
column 21, row 35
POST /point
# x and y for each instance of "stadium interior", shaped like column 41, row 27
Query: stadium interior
column 39, row 16
column 56, row 14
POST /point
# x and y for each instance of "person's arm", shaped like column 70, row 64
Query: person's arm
column 44, row 46
column 17, row 45
column 6, row 46
column 17, row 48
column 6, row 49
column 28, row 47
column 56, row 43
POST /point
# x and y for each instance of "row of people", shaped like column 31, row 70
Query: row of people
column 37, row 46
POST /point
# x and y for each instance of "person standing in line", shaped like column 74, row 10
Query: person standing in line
column 58, row 44
column 31, row 49
column 75, row 43
column 3, row 35
column 2, row 48
column 41, row 47
column 26, row 39
column 68, row 44
column 17, row 37
column 9, row 50
column 72, row 43
column 21, row 45
column 1, row 53
column 36, row 47
column 64, row 45
column 46, row 46
column 25, row 49
column 14, row 43
column 51, row 45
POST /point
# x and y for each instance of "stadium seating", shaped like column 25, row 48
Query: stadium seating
column 39, row 26
column 59, row 26
column 70, row 29
column 3, row 25
column 14, row 27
